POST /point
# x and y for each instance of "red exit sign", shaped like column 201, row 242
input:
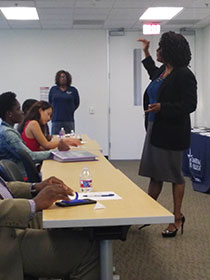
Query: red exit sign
column 151, row 28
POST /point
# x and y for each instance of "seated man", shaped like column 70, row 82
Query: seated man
column 37, row 252
column 10, row 139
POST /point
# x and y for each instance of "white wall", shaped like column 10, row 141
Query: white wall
column 30, row 59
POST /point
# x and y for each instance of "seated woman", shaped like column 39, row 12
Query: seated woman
column 33, row 126
column 10, row 139
column 26, row 106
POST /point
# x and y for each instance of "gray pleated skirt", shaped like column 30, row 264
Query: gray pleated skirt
column 160, row 164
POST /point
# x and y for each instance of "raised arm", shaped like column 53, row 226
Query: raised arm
column 145, row 46
column 148, row 61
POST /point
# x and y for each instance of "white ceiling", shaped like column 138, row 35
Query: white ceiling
column 106, row 14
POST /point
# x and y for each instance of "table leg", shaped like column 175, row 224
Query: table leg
column 106, row 260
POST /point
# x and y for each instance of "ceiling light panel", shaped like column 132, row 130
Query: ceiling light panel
column 20, row 13
column 160, row 13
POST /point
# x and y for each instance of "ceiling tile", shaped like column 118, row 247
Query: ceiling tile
column 119, row 24
column 4, row 25
column 54, row 11
column 195, row 3
column 132, row 3
column 89, row 17
column 24, row 24
column 94, row 3
column 92, row 27
column 56, row 24
column 56, row 18
column 196, row 13
column 92, row 11
column 125, row 14
column 18, row 3
column 181, row 3
column 55, row 3
column 183, row 22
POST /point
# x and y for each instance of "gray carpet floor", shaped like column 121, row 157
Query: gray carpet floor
column 146, row 255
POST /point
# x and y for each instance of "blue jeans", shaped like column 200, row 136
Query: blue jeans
column 56, row 127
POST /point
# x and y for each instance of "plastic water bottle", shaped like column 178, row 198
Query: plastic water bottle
column 62, row 133
column 85, row 180
column 72, row 134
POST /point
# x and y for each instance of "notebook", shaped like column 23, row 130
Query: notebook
column 71, row 156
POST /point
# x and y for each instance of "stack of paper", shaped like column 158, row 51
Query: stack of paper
column 72, row 156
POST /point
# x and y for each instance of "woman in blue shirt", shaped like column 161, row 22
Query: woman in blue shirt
column 65, row 100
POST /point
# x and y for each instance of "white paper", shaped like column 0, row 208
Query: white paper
column 99, row 206
column 99, row 196
column 205, row 134
column 44, row 93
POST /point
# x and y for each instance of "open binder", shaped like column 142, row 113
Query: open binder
column 72, row 156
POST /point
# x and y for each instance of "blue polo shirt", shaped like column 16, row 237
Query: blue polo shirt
column 152, row 91
column 64, row 103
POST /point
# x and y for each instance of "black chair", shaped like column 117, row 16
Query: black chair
column 30, row 167
column 9, row 171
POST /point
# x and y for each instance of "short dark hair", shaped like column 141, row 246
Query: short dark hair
column 175, row 49
column 27, row 105
column 7, row 102
column 68, row 77
column 34, row 114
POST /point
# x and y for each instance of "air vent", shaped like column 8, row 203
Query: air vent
column 117, row 32
column 88, row 22
column 187, row 31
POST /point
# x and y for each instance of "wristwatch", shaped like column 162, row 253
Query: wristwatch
column 33, row 190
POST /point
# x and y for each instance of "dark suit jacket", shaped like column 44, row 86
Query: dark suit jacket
column 178, row 98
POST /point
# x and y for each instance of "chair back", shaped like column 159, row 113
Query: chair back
column 9, row 171
column 30, row 167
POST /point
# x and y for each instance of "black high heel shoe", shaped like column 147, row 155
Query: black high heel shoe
column 168, row 233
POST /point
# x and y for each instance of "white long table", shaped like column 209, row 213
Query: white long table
column 135, row 207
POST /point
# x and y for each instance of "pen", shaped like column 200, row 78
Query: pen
column 98, row 195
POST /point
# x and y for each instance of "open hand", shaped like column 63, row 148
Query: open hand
column 62, row 146
column 50, row 181
column 51, row 193
column 145, row 44
column 73, row 141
